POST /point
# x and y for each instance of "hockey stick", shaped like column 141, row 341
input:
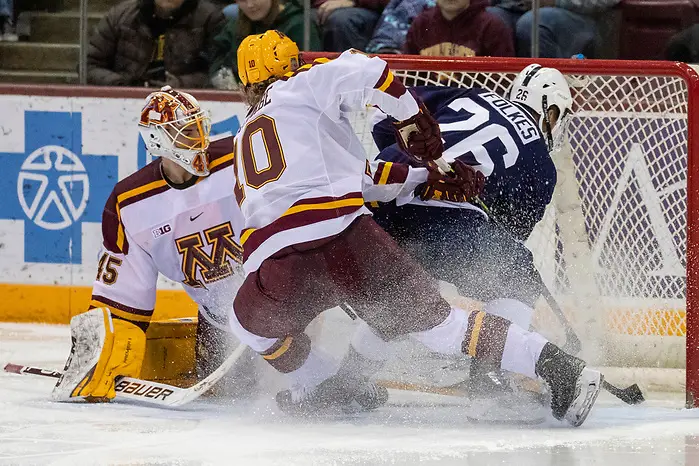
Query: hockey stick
column 145, row 391
column 572, row 344
column 631, row 395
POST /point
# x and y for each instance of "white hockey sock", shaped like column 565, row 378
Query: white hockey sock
column 318, row 367
column 368, row 344
column 515, row 311
column 446, row 338
column 522, row 351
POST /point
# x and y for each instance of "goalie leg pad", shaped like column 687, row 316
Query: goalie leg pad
column 103, row 348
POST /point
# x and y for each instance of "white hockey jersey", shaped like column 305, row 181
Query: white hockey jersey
column 299, row 164
column 189, row 234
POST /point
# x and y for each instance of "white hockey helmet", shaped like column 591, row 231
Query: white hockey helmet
column 174, row 126
column 539, row 88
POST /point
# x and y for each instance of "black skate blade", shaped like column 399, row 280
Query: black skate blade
column 507, row 422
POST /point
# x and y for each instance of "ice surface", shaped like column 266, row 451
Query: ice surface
column 413, row 428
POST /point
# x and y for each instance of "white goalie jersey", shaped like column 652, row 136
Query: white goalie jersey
column 299, row 163
column 189, row 233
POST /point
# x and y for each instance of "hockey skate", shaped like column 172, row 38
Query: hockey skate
column 574, row 387
column 333, row 396
column 498, row 397
column 348, row 391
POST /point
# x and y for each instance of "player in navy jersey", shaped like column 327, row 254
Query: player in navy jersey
column 508, row 140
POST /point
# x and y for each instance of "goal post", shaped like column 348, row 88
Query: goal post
column 618, row 244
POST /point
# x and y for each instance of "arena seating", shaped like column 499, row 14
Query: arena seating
column 647, row 26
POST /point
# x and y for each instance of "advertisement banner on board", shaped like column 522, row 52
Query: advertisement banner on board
column 61, row 157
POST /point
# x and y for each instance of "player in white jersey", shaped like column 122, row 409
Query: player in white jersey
column 176, row 216
column 309, row 242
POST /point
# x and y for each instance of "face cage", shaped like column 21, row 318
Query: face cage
column 555, row 138
column 560, row 131
column 189, row 150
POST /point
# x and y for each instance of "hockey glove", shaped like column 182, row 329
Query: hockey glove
column 103, row 348
column 419, row 135
column 460, row 186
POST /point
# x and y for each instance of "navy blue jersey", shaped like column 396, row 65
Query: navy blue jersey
column 498, row 138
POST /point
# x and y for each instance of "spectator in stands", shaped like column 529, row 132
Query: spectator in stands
column 255, row 17
column 396, row 18
column 566, row 27
column 684, row 46
column 7, row 29
column 459, row 28
column 231, row 11
column 347, row 23
column 153, row 43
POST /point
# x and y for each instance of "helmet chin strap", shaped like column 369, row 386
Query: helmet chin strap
column 545, row 118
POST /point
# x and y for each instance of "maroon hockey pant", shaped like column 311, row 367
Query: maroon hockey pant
column 362, row 266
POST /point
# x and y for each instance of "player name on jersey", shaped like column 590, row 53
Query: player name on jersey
column 524, row 125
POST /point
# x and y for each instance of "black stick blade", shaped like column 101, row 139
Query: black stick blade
column 630, row 395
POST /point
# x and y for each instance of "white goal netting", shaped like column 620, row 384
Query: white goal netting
column 612, row 245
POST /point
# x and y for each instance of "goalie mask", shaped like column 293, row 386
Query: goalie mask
column 174, row 126
column 539, row 89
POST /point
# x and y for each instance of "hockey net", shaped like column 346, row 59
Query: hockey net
column 612, row 246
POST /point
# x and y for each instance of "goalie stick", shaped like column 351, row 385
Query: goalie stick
column 147, row 392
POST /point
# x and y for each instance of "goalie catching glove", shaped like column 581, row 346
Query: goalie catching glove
column 419, row 136
column 461, row 185
column 103, row 348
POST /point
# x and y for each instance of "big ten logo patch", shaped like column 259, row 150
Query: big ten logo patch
column 162, row 230
column 229, row 126
column 54, row 187
column 211, row 265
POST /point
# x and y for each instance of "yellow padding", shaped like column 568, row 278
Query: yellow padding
column 122, row 354
column 170, row 352
column 55, row 304
column 658, row 322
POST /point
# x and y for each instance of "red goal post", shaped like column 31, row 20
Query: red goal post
column 618, row 246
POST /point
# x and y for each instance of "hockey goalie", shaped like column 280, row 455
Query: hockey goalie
column 176, row 216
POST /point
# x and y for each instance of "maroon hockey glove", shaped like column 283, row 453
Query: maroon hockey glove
column 473, row 180
column 460, row 186
column 419, row 136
